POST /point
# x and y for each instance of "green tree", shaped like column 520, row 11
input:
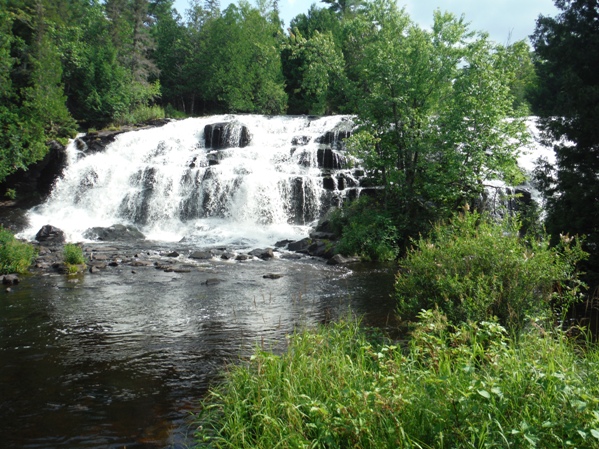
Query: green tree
column 343, row 7
column 432, row 108
column 313, row 66
column 567, row 62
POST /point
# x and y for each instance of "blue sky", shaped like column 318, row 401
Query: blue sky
column 500, row 18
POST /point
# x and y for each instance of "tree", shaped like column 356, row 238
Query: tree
column 343, row 7
column 567, row 62
column 433, row 109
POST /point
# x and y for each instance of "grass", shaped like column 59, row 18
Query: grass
column 15, row 256
column 468, row 386
column 73, row 257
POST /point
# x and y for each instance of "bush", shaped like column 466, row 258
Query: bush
column 468, row 386
column 365, row 231
column 475, row 269
column 73, row 254
column 15, row 256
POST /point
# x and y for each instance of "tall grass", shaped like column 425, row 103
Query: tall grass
column 15, row 256
column 451, row 387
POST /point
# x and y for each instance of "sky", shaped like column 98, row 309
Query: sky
column 505, row 20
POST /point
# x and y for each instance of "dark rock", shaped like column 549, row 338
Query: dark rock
column 272, row 276
column 201, row 255
column 173, row 254
column 322, row 235
column 290, row 256
column 321, row 248
column 330, row 159
column 227, row 255
column 94, row 269
column 212, row 281
column 114, row 263
column 301, row 246
column 242, row 257
column 35, row 184
column 226, row 135
column 282, row 243
column 338, row 259
column 300, row 140
column 50, row 234
column 329, row 183
column 264, row 254
column 10, row 279
column 141, row 263
column 117, row 232
column 181, row 270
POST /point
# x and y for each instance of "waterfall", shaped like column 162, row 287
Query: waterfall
column 240, row 180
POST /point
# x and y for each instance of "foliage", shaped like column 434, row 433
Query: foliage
column 433, row 108
column 15, row 256
column 474, row 270
column 73, row 254
column 462, row 387
column 365, row 230
column 567, row 62
column 314, row 64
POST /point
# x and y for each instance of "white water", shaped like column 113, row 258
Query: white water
column 160, row 180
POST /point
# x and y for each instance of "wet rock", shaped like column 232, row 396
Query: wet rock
column 201, row 255
column 264, row 254
column 226, row 135
column 330, row 159
column 94, row 269
column 10, row 279
column 50, row 235
column 272, row 276
column 300, row 140
column 173, row 254
column 301, row 246
column 338, row 259
column 282, row 243
column 242, row 257
column 117, row 232
column 290, row 256
column 212, row 281
column 316, row 235
column 181, row 270
column 227, row 255
column 141, row 263
column 321, row 248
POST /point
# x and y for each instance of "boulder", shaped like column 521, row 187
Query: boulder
column 321, row 248
column 201, row 255
column 117, row 232
column 338, row 259
column 264, row 254
column 212, row 281
column 10, row 279
column 50, row 235
column 301, row 246
column 272, row 276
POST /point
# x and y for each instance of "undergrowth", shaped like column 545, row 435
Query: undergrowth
column 468, row 386
column 15, row 256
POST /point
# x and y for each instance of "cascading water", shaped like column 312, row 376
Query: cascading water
column 222, row 180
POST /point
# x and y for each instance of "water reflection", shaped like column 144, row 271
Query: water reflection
column 120, row 359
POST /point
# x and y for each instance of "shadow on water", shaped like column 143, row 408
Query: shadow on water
column 120, row 359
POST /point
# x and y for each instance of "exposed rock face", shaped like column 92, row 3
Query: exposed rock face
column 117, row 232
column 219, row 136
column 50, row 235
column 35, row 184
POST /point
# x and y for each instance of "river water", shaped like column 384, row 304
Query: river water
column 122, row 358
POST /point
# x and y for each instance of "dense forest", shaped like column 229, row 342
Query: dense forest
column 432, row 105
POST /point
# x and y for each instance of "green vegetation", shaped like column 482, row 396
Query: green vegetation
column 15, row 256
column 73, row 254
column 567, row 63
column 474, row 269
column 467, row 386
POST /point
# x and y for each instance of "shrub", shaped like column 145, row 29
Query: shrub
column 73, row 254
column 15, row 256
column 475, row 269
column 366, row 231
